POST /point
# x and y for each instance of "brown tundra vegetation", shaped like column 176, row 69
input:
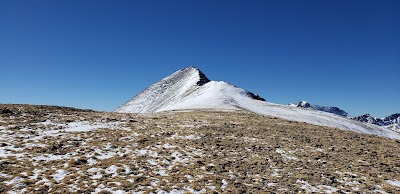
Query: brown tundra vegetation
column 50, row 149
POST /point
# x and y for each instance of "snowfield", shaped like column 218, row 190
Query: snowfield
column 182, row 91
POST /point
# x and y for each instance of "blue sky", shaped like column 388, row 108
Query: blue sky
column 98, row 54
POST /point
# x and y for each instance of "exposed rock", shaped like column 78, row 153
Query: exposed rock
column 6, row 111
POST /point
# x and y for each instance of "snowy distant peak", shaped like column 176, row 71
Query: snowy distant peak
column 394, row 118
column 367, row 118
column 389, row 120
column 304, row 104
column 393, row 122
column 330, row 109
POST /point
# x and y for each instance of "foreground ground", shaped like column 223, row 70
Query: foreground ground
column 56, row 149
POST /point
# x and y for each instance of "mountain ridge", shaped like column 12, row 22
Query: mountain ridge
column 330, row 109
column 189, row 89
column 391, row 122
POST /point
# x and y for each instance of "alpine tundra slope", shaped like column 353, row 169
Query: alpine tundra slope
column 189, row 89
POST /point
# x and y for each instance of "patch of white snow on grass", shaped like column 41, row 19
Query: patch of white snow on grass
column 60, row 175
column 84, row 126
column 14, row 181
column 106, row 156
column 395, row 183
column 152, row 162
column 284, row 155
column 307, row 187
column 320, row 188
column 174, row 191
column 191, row 137
column 147, row 152
column 167, row 146
column 111, row 170
column 162, row 173
column 224, row 184
column 49, row 157
column 327, row 189
column 95, row 172
column 91, row 161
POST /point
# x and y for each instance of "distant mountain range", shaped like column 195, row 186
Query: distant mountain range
column 392, row 122
column 189, row 89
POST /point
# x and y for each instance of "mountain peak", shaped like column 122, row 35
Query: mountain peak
column 187, row 88
column 190, row 71
column 304, row 104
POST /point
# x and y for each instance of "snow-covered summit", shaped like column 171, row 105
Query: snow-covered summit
column 391, row 122
column 330, row 109
column 367, row 118
column 189, row 88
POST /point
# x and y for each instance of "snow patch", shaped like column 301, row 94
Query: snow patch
column 60, row 175
column 320, row 188
column 395, row 183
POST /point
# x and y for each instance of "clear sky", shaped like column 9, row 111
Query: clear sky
column 98, row 54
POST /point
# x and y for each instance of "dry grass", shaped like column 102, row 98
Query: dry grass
column 205, row 151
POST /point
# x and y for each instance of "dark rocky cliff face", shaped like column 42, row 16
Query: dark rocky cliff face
column 255, row 96
column 203, row 79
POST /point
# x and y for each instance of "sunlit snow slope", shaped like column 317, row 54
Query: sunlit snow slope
column 189, row 88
